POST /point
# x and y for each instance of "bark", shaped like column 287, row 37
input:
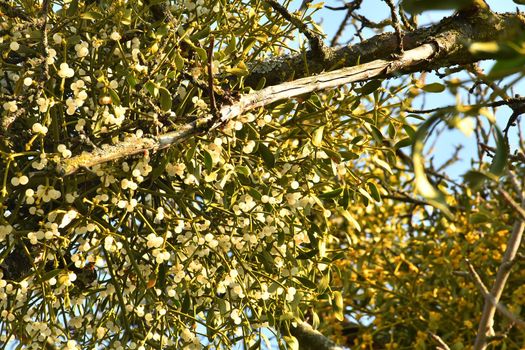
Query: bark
column 455, row 33
column 444, row 44
column 264, row 97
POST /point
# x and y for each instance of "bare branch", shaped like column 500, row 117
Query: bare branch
column 486, row 294
column 396, row 24
column 489, row 309
column 512, row 203
column 440, row 341
column 319, row 49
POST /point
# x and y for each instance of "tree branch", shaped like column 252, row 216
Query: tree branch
column 452, row 33
column 485, row 329
column 317, row 46
column 488, row 297
column 442, row 45
column 261, row 98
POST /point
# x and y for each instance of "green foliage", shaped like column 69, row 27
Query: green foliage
column 301, row 210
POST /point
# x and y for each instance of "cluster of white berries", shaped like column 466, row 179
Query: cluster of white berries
column 64, row 151
column 39, row 129
column 19, row 180
column 43, row 192
column 40, row 164
column 79, row 97
column 65, row 71
column 10, row 106
column 82, row 49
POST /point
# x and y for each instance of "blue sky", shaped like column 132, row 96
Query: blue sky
column 377, row 10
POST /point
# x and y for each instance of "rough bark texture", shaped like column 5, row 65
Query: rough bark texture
column 455, row 33
column 450, row 41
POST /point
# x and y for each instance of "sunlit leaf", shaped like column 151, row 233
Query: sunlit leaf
column 423, row 185
column 317, row 136
column 165, row 99
column 434, row 87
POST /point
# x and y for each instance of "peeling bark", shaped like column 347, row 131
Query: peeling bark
column 441, row 45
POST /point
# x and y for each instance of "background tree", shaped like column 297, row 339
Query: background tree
column 175, row 174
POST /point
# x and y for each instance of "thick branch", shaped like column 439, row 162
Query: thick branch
column 264, row 97
column 310, row 339
column 454, row 33
column 441, row 45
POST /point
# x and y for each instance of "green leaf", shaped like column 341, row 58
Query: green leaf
column 165, row 99
column 335, row 156
column 291, row 342
column 474, row 178
column 132, row 80
column 331, row 194
column 203, row 55
column 208, row 160
column 91, row 15
column 374, row 192
column 434, row 87
column 306, row 282
column 403, row 143
column 307, row 255
column 179, row 61
column 315, row 319
column 324, row 283
column 317, row 136
column 370, row 87
column 73, row 8
column 338, row 305
column 114, row 97
column 383, row 164
column 504, row 67
column 266, row 155
column 351, row 220
column 423, row 185
column 244, row 170
column 366, row 195
column 499, row 161
column 419, row 6
column 152, row 88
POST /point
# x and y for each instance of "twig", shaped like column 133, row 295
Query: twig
column 396, row 24
column 513, row 103
column 213, row 104
column 316, row 42
column 350, row 7
column 486, row 294
column 519, row 157
column 45, row 44
column 489, row 309
column 264, row 97
column 440, row 341
column 512, row 203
